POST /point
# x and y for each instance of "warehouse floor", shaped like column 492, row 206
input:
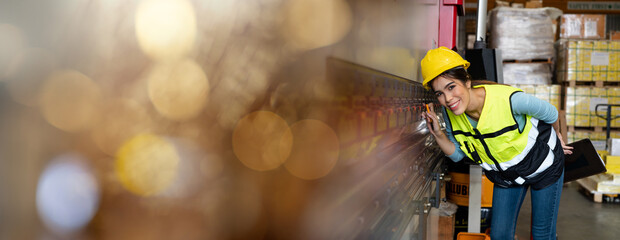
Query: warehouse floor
column 579, row 217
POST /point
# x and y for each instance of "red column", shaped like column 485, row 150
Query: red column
column 448, row 12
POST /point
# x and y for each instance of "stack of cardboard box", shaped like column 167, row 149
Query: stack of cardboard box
column 550, row 93
column 588, row 60
column 588, row 69
column 581, row 102
column 598, row 138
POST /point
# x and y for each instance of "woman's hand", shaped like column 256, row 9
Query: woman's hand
column 567, row 149
column 432, row 121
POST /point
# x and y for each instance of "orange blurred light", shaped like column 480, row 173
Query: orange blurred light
column 315, row 149
column 179, row 90
column 262, row 140
column 70, row 100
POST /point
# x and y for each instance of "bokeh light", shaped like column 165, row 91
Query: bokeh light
column 193, row 168
column 11, row 42
column 192, row 113
column 312, row 24
column 166, row 29
column 70, row 100
column 262, row 140
column 26, row 75
column 123, row 119
column 147, row 164
column 315, row 149
column 178, row 90
column 67, row 194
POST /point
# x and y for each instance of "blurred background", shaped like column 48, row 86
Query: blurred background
column 201, row 119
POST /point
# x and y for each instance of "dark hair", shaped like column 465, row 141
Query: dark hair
column 460, row 73
column 456, row 73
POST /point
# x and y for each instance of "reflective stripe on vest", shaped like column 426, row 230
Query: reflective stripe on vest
column 532, row 135
column 496, row 143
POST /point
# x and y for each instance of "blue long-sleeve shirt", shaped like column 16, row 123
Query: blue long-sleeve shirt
column 522, row 104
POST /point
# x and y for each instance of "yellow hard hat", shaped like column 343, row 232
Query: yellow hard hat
column 439, row 60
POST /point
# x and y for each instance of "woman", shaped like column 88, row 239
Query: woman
column 513, row 136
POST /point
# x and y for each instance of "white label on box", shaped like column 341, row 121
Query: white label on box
column 573, row 28
column 595, row 101
column 589, row 29
column 599, row 58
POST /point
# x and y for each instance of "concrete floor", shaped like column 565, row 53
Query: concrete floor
column 579, row 217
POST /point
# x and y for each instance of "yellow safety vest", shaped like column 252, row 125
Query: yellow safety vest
column 509, row 156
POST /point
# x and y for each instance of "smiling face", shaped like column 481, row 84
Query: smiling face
column 452, row 93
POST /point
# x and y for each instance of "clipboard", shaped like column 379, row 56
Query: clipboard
column 584, row 161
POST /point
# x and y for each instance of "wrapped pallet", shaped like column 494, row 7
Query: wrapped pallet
column 523, row 33
column 527, row 73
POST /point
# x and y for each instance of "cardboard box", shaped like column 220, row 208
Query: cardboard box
column 614, row 146
column 615, row 178
column 613, row 169
column 534, row 4
column 549, row 93
column 614, row 35
column 581, row 102
column 588, row 60
column 582, row 26
column 612, row 163
column 597, row 137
